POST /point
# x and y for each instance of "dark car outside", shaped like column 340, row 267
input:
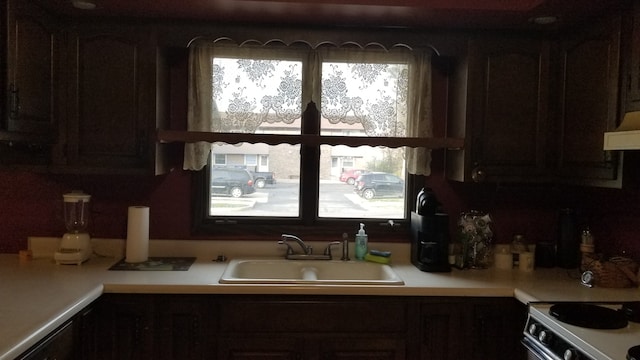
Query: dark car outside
column 262, row 178
column 379, row 184
column 234, row 182
column 349, row 176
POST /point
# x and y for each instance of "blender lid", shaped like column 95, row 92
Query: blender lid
column 76, row 196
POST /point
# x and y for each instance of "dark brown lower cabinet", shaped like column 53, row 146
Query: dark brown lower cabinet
column 245, row 327
column 73, row 340
column 472, row 328
column 301, row 327
column 58, row 345
column 152, row 326
column 497, row 326
column 444, row 329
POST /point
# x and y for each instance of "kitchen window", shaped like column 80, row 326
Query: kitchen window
column 313, row 113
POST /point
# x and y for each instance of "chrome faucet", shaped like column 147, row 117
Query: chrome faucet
column 285, row 238
column 307, row 250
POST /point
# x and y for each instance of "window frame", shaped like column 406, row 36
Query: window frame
column 313, row 228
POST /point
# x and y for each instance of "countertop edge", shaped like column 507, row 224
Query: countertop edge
column 53, row 324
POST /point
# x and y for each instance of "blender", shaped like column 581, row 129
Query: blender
column 75, row 246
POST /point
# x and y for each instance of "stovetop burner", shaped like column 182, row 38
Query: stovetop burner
column 634, row 353
column 588, row 315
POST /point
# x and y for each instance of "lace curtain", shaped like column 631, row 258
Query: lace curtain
column 354, row 91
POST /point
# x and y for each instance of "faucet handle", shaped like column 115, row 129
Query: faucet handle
column 289, row 248
column 327, row 250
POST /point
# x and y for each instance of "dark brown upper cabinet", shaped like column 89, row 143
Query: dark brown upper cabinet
column 535, row 111
column 113, row 100
column 631, row 59
column 588, row 99
column 500, row 107
column 33, row 42
column 28, row 84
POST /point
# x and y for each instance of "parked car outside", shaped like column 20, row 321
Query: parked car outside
column 235, row 182
column 349, row 176
column 262, row 178
column 379, row 184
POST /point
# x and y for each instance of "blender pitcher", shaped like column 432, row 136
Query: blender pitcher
column 75, row 246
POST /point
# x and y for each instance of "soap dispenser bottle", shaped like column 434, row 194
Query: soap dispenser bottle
column 361, row 243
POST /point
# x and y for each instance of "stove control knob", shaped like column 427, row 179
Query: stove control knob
column 534, row 329
column 572, row 354
column 545, row 337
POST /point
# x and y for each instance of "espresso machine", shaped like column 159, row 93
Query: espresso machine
column 429, row 234
column 75, row 245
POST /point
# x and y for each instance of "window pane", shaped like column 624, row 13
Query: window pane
column 362, row 182
column 234, row 187
column 261, row 96
column 257, row 96
column 364, row 99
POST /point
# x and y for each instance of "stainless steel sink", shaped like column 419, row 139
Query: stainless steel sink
column 308, row 272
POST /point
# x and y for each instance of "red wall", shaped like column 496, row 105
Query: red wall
column 31, row 205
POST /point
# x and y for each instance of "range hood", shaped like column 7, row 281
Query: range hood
column 626, row 136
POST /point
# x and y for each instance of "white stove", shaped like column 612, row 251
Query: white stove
column 548, row 338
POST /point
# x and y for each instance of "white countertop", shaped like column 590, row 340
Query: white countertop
column 37, row 296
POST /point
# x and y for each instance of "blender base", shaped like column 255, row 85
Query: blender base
column 71, row 257
column 75, row 248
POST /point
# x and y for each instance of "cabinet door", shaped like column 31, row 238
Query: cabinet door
column 125, row 327
column 33, row 43
column 59, row 345
column 87, row 332
column 497, row 329
column 444, row 330
column 183, row 327
column 505, row 122
column 631, row 90
column 589, row 69
column 110, row 115
column 305, row 327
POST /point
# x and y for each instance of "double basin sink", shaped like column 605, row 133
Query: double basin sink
column 308, row 272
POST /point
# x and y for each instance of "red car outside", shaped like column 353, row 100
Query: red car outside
column 349, row 176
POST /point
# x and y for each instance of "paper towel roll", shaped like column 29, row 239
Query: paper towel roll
column 137, row 234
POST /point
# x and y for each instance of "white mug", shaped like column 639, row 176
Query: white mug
column 503, row 261
column 526, row 261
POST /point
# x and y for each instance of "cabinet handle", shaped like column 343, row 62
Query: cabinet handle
column 137, row 333
column 195, row 324
column 14, row 102
column 478, row 174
